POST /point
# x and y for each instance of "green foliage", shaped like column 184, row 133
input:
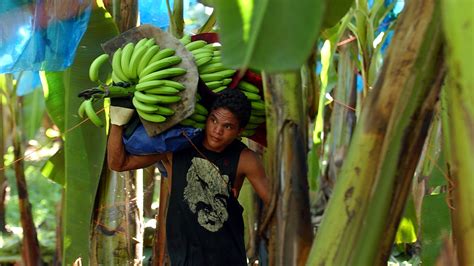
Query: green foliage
column 32, row 113
column 44, row 197
column 335, row 10
column 269, row 35
column 84, row 146
column 54, row 168
column 54, row 94
column 435, row 226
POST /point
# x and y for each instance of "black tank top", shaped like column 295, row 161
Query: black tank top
column 204, row 223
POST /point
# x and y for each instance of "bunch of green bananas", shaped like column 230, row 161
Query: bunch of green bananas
column 208, row 60
column 257, row 114
column 147, row 70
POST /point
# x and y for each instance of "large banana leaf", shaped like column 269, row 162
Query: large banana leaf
column 84, row 145
column 335, row 10
column 272, row 35
column 32, row 114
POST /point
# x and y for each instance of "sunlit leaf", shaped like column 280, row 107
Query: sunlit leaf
column 33, row 111
column 271, row 35
column 53, row 87
column 54, row 168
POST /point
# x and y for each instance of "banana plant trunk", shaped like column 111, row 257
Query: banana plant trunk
column 118, row 219
column 124, row 12
column 114, row 223
column 458, row 127
column 291, row 236
column 343, row 113
column 360, row 222
column 30, row 247
column 3, row 178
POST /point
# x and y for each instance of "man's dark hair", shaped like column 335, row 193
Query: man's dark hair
column 236, row 102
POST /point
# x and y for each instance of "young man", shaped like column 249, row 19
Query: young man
column 204, row 223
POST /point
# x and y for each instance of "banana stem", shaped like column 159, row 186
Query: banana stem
column 117, row 91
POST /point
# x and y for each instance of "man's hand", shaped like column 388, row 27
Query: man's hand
column 121, row 111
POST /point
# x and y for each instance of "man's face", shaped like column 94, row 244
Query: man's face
column 222, row 127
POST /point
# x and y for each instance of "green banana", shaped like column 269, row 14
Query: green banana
column 116, row 65
column 165, row 111
column 156, row 83
column 226, row 81
column 217, row 75
column 212, row 46
column 187, row 122
column 202, row 51
column 141, row 43
column 211, row 68
column 203, row 55
column 90, row 112
column 199, row 125
column 217, row 53
column 150, row 42
column 258, row 105
column 215, row 59
column 125, row 60
column 115, row 79
column 248, row 133
column 163, row 90
column 152, row 117
column 81, row 110
column 163, row 74
column 150, row 52
column 200, row 109
column 149, row 108
column 256, row 119
column 221, row 88
column 248, row 87
column 146, row 98
column 214, row 84
column 168, row 99
column 195, row 45
column 160, row 64
column 167, row 52
column 202, row 61
column 185, row 39
column 198, row 118
column 255, row 112
column 251, row 96
column 154, row 98
column 135, row 60
column 95, row 67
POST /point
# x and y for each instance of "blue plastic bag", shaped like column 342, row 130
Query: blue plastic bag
column 139, row 143
column 41, row 35
column 155, row 12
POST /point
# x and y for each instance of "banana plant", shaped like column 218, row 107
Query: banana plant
column 458, row 125
column 286, row 165
column 31, row 251
column 372, row 189
column 84, row 145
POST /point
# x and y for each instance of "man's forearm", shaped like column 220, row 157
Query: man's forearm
column 116, row 154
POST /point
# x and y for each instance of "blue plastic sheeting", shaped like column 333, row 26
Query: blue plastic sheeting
column 139, row 143
column 155, row 12
column 41, row 35
column 27, row 81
